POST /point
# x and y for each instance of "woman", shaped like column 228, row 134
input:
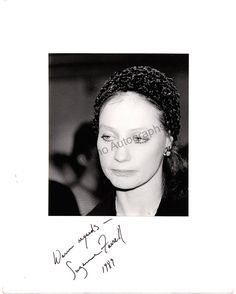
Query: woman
column 137, row 117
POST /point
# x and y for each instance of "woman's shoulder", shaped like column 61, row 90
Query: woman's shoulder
column 173, row 206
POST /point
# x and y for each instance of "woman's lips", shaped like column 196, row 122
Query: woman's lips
column 123, row 172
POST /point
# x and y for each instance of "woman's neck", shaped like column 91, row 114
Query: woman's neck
column 143, row 200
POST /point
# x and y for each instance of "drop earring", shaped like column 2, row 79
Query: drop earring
column 167, row 151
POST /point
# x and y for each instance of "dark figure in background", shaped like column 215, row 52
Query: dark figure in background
column 80, row 174
column 61, row 200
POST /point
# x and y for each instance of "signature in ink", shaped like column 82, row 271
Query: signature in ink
column 77, row 270
column 82, row 266
column 107, row 245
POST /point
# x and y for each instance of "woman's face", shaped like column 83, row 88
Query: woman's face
column 131, row 140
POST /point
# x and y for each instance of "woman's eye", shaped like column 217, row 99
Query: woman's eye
column 140, row 140
column 107, row 138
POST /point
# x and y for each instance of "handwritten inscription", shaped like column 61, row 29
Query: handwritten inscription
column 58, row 256
column 101, row 244
column 108, row 265
column 106, row 244
column 94, row 228
column 76, row 271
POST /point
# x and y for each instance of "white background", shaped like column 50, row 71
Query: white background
column 194, row 254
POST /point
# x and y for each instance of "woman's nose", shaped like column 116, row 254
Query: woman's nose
column 122, row 154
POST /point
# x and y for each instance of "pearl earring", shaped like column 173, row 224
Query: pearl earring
column 167, row 151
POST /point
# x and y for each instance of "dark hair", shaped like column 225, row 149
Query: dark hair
column 160, row 91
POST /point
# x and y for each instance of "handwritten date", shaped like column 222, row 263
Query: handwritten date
column 108, row 265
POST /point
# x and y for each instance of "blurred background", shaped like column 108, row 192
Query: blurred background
column 74, row 82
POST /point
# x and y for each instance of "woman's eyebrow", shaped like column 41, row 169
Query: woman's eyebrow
column 108, row 128
column 140, row 129
column 144, row 128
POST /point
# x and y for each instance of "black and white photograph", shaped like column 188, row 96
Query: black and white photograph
column 117, row 147
column 118, row 138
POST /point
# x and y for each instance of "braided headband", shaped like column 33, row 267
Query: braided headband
column 149, row 82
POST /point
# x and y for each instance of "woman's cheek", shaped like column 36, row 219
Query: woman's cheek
column 104, row 156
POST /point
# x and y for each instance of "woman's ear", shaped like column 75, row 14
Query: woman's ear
column 169, row 140
column 82, row 160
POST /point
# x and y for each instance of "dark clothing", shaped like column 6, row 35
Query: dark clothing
column 61, row 200
column 167, row 207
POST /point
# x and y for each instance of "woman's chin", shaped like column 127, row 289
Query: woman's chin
column 123, row 185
